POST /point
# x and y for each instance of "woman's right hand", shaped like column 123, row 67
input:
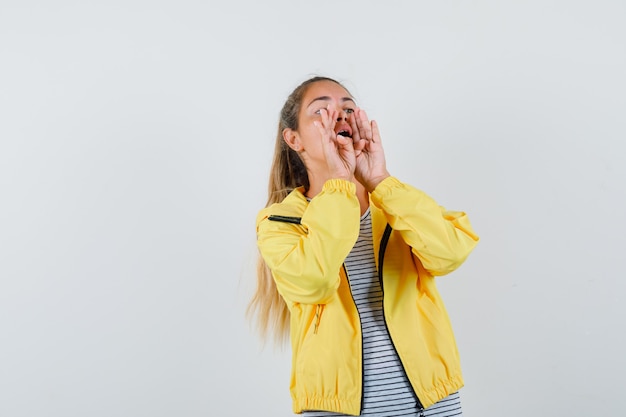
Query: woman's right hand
column 338, row 150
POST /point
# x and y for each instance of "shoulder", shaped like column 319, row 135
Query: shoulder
column 293, row 206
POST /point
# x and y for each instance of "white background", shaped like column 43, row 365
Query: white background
column 135, row 144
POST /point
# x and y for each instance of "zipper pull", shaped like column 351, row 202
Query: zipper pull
column 318, row 315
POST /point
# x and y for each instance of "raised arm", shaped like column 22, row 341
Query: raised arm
column 440, row 239
column 305, row 258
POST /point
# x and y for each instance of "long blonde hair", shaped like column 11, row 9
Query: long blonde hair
column 287, row 172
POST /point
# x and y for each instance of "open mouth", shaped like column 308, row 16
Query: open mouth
column 345, row 134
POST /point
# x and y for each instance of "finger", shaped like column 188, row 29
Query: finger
column 353, row 124
column 375, row 132
column 322, row 130
column 344, row 142
column 363, row 125
column 325, row 117
column 333, row 120
column 328, row 119
column 358, row 143
column 359, row 124
column 366, row 131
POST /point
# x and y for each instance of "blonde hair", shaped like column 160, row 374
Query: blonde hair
column 287, row 173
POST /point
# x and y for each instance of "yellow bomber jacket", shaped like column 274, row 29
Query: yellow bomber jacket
column 305, row 244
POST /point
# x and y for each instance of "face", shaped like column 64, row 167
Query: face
column 306, row 140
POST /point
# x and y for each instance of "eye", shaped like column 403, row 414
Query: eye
column 349, row 111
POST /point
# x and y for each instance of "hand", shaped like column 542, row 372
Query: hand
column 370, row 167
column 338, row 150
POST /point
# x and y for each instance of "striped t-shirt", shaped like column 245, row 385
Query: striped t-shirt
column 387, row 391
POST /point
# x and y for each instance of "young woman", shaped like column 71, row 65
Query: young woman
column 348, row 259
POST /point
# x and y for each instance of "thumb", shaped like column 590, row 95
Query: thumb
column 345, row 142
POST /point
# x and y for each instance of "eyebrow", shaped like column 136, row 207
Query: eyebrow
column 326, row 98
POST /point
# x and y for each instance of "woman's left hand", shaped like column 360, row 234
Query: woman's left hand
column 370, row 167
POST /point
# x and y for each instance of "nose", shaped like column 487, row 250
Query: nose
column 343, row 115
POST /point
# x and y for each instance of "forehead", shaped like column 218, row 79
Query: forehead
column 325, row 88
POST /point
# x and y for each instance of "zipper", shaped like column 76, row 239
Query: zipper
column 361, row 326
column 381, row 258
column 319, row 309
column 285, row 219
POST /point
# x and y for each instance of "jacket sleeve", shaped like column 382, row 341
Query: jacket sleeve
column 305, row 259
column 440, row 239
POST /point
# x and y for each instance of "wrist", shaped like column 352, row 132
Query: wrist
column 339, row 177
column 373, row 182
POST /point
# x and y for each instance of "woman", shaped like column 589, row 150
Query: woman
column 348, row 259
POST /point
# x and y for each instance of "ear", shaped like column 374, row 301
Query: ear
column 292, row 139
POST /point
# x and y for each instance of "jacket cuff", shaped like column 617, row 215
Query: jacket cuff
column 339, row 185
column 384, row 188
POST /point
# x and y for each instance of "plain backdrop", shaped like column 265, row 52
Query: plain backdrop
column 135, row 144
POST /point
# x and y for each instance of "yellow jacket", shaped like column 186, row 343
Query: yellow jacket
column 305, row 245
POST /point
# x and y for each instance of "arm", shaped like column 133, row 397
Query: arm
column 305, row 259
column 440, row 239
